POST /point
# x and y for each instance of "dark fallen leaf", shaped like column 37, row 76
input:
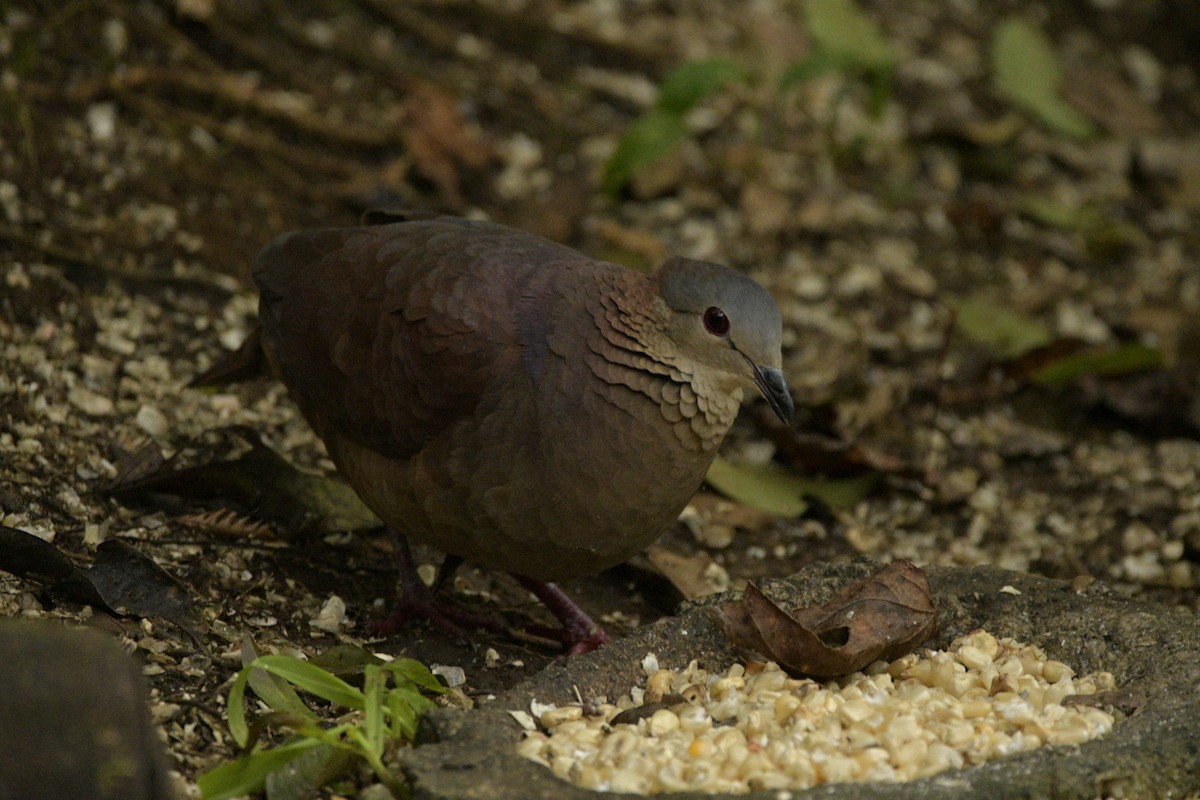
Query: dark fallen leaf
column 693, row 576
column 1157, row 402
column 630, row 716
column 882, row 616
column 242, row 364
column 1127, row 701
column 132, row 584
column 122, row 580
column 138, row 464
column 30, row 558
column 817, row 454
column 257, row 480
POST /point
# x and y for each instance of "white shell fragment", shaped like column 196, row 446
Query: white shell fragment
column 755, row 728
column 332, row 615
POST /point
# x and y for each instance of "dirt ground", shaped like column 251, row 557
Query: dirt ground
column 148, row 150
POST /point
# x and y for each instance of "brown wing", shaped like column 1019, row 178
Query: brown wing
column 391, row 333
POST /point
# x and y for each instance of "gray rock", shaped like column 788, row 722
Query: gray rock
column 1153, row 753
column 73, row 718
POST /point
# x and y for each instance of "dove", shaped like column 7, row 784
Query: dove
column 511, row 401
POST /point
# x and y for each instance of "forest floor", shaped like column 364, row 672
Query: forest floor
column 938, row 252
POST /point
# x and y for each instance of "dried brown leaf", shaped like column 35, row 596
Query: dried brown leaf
column 1127, row 701
column 882, row 616
column 242, row 364
column 225, row 522
column 630, row 716
column 694, row 576
column 440, row 142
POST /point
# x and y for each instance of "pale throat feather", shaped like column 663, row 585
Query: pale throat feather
column 635, row 351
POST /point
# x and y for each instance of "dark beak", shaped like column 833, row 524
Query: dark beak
column 774, row 388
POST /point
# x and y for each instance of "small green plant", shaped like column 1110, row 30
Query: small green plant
column 1026, row 72
column 383, row 715
column 780, row 490
column 844, row 40
column 661, row 129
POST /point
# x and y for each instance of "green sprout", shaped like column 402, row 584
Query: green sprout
column 382, row 715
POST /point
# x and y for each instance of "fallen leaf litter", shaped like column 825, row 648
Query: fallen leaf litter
column 754, row 727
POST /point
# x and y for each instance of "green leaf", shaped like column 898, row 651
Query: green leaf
column 387, row 715
column 303, row 776
column 345, row 659
column 1121, row 360
column 849, row 36
column 312, row 679
column 692, row 81
column 1060, row 215
column 271, row 689
column 1005, row 332
column 1025, row 70
column 778, row 490
column 374, row 680
column 648, row 139
column 403, row 714
column 416, row 672
column 819, row 63
column 247, row 774
column 238, row 728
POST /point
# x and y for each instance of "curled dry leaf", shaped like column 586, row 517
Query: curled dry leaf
column 232, row 466
column 692, row 576
column 883, row 616
column 122, row 579
column 1128, row 700
column 630, row 716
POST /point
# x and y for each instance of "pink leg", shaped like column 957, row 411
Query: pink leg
column 580, row 633
column 417, row 601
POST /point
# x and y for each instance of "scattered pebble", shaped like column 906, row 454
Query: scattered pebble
column 90, row 403
column 453, row 675
column 152, row 421
column 331, row 617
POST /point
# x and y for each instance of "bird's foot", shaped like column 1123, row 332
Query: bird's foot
column 447, row 618
column 418, row 601
column 580, row 633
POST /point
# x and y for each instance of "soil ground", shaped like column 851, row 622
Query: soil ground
column 148, row 150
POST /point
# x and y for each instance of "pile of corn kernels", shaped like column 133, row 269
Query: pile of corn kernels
column 754, row 727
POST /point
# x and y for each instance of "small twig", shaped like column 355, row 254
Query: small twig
column 240, row 92
column 943, row 354
column 97, row 269
column 307, row 160
column 156, row 26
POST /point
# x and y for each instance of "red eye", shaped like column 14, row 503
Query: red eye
column 716, row 322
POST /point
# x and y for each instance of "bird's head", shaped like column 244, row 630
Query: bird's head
column 726, row 328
